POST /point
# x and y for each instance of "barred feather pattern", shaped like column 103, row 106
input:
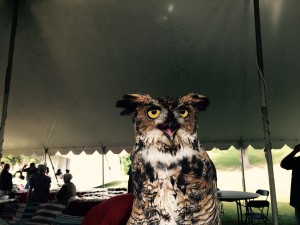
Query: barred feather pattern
column 181, row 191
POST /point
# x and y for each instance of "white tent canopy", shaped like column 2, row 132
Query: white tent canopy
column 74, row 59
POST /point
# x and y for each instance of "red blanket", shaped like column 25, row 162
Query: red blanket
column 114, row 211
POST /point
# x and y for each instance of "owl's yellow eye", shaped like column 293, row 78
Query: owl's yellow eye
column 153, row 112
column 183, row 112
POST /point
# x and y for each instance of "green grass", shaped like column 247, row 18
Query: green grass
column 230, row 159
column 285, row 214
column 257, row 157
column 225, row 159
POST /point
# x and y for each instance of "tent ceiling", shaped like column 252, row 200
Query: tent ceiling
column 74, row 59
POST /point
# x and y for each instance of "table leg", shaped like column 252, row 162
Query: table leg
column 239, row 212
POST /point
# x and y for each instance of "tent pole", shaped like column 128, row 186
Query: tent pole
column 47, row 153
column 103, row 153
column 242, row 165
column 8, row 74
column 268, row 145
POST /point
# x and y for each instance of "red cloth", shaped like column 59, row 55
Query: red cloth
column 113, row 211
column 22, row 197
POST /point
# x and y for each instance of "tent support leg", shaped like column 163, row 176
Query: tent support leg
column 268, row 145
column 243, row 167
column 103, row 155
column 47, row 153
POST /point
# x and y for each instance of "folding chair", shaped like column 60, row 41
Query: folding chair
column 257, row 210
column 221, row 208
column 263, row 193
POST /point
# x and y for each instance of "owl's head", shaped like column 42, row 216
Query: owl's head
column 167, row 120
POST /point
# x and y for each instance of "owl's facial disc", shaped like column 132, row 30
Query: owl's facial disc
column 170, row 127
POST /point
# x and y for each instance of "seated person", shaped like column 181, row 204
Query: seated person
column 113, row 211
column 67, row 191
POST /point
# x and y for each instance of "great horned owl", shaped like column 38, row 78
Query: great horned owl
column 174, row 180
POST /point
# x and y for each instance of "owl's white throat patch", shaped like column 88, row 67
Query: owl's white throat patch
column 153, row 156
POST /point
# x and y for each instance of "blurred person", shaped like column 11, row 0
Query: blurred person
column 30, row 171
column 19, row 180
column 67, row 171
column 59, row 174
column 6, row 184
column 2, row 165
column 290, row 162
column 39, row 188
column 67, row 191
column 47, row 171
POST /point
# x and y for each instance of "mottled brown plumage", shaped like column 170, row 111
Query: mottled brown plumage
column 174, row 179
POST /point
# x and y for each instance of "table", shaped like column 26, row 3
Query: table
column 237, row 196
column 22, row 195
column 8, row 200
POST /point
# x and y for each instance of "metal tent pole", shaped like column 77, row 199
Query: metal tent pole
column 268, row 145
column 103, row 155
column 242, row 165
column 47, row 153
column 8, row 73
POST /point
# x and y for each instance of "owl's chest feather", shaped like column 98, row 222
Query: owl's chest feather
column 171, row 183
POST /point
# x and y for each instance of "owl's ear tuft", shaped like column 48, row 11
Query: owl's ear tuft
column 198, row 101
column 130, row 102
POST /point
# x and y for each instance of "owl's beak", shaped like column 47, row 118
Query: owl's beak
column 170, row 128
column 168, row 131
